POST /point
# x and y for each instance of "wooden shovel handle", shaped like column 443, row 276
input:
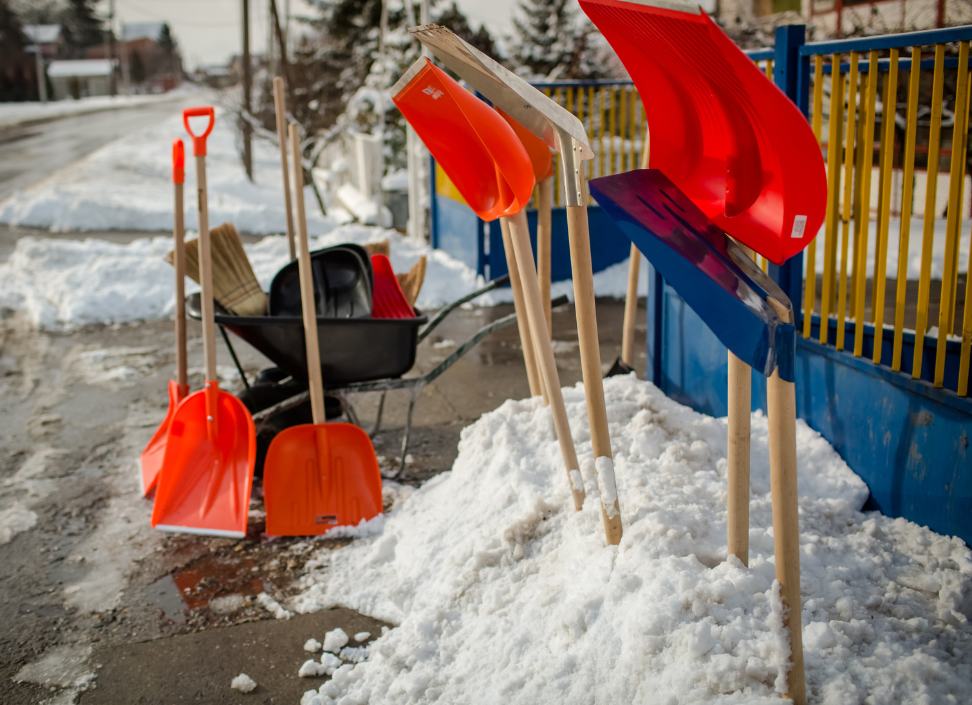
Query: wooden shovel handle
column 280, row 107
column 781, row 414
column 307, row 303
column 520, row 236
column 522, row 315
column 740, row 403
column 590, row 353
column 206, row 273
column 544, row 233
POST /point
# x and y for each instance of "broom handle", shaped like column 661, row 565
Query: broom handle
column 543, row 247
column 520, row 236
column 206, row 273
column 179, row 235
column 631, row 298
column 522, row 315
column 307, row 303
column 590, row 353
column 280, row 107
column 781, row 413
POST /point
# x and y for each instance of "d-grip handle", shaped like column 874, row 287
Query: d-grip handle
column 199, row 141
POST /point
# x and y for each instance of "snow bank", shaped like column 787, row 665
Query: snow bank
column 127, row 185
column 503, row 594
column 12, row 114
column 60, row 282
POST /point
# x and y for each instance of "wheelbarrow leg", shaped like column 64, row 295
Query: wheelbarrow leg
column 381, row 408
column 415, row 393
column 236, row 360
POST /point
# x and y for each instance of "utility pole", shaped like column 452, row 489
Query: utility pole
column 247, row 80
column 112, row 88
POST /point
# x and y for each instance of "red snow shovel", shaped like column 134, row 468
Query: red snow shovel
column 480, row 151
column 728, row 138
column 321, row 475
column 150, row 462
column 207, row 471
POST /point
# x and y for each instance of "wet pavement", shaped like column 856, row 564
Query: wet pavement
column 95, row 606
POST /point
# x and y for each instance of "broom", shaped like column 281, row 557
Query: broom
column 235, row 286
column 411, row 283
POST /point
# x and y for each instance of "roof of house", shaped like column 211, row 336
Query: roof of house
column 42, row 33
column 81, row 68
column 139, row 30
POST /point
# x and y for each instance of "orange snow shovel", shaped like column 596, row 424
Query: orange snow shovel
column 150, row 462
column 207, row 471
column 321, row 475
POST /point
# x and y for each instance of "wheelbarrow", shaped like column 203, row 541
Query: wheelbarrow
column 357, row 355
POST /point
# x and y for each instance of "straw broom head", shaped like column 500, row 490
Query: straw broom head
column 235, row 286
column 411, row 283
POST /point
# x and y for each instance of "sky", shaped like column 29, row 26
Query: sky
column 209, row 31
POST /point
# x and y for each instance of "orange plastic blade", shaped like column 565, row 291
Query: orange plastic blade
column 207, row 471
column 474, row 145
column 318, row 476
column 150, row 462
column 540, row 155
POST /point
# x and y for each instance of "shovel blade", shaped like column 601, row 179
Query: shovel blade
column 207, row 472
column 709, row 271
column 319, row 476
column 479, row 151
column 150, row 462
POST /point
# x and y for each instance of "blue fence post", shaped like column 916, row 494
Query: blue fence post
column 433, row 207
column 791, row 74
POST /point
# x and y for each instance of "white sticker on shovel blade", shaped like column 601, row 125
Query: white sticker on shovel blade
column 799, row 226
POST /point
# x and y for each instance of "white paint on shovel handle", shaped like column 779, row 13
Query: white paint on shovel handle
column 609, row 488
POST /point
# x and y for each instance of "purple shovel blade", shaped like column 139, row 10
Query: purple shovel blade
column 708, row 270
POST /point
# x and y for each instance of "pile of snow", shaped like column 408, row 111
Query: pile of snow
column 502, row 593
column 15, row 113
column 243, row 683
column 59, row 282
column 127, row 185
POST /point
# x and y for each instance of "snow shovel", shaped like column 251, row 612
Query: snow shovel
column 439, row 109
column 750, row 314
column 486, row 161
column 280, row 108
column 565, row 134
column 321, row 475
column 150, row 462
column 207, row 470
column 728, row 138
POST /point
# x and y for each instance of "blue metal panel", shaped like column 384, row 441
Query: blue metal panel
column 761, row 54
column 456, row 229
column 906, row 439
column 608, row 244
column 889, row 41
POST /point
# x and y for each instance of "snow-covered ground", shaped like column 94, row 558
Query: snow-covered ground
column 127, row 185
column 60, row 283
column 14, row 113
column 502, row 593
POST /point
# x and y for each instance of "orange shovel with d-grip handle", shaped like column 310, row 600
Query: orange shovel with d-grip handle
column 321, row 475
column 150, row 462
column 207, row 472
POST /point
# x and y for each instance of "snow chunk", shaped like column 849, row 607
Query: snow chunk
column 335, row 640
column 243, row 683
column 330, row 662
column 273, row 607
column 311, row 669
column 362, row 636
column 14, row 520
column 312, row 645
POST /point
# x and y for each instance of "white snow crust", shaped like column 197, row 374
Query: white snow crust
column 243, row 683
column 502, row 593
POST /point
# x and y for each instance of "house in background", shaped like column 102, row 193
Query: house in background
column 147, row 58
column 81, row 78
column 49, row 38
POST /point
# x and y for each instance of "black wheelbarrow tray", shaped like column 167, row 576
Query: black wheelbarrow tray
column 357, row 355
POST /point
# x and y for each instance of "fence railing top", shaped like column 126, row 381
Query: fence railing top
column 583, row 84
column 889, row 41
column 760, row 54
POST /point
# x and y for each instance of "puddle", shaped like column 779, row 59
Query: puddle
column 212, row 577
column 164, row 594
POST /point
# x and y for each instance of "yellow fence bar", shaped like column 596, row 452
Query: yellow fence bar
column 612, row 131
column 849, row 137
column 810, row 281
column 931, row 193
column 911, row 127
column 833, row 195
column 961, row 197
column 600, row 129
column 769, row 69
column 963, row 379
column 622, row 127
column 634, row 129
column 867, row 145
column 953, row 223
column 884, row 217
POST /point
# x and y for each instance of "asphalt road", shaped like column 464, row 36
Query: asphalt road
column 30, row 152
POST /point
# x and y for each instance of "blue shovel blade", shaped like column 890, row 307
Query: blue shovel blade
column 708, row 270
